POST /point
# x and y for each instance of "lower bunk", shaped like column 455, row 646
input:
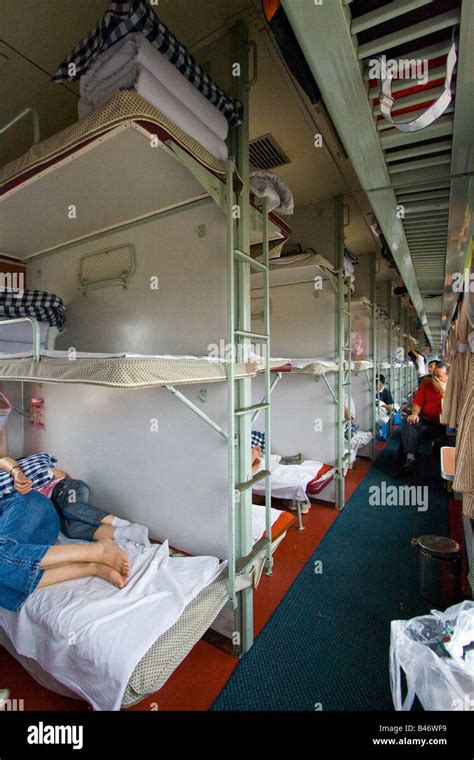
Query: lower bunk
column 113, row 648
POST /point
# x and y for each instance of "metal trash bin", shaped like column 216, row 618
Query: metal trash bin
column 439, row 569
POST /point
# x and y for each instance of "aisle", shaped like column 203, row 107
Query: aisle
column 327, row 644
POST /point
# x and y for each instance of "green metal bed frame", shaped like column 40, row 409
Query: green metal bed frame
column 240, row 411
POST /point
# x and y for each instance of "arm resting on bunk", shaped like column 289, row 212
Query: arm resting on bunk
column 22, row 483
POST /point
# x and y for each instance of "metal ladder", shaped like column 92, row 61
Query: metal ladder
column 241, row 410
column 345, row 375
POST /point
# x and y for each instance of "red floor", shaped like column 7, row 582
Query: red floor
column 198, row 680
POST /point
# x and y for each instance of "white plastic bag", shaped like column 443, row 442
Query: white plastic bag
column 433, row 651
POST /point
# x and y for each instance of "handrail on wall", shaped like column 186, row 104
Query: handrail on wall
column 36, row 333
column 21, row 115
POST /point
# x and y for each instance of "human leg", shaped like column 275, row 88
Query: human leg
column 81, row 570
column 103, row 552
column 410, row 436
column 79, row 519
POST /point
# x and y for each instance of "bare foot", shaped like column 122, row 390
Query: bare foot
column 108, row 574
column 110, row 554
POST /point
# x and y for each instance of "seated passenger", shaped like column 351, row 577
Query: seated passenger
column 432, row 361
column 423, row 421
column 384, row 402
column 29, row 528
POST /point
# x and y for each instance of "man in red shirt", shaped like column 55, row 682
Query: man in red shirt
column 423, row 421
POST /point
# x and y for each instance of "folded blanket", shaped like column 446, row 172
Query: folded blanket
column 122, row 18
column 269, row 185
column 155, row 93
column 45, row 307
column 118, row 69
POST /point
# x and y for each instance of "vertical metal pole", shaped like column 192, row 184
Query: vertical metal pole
column 390, row 345
column 348, row 353
column 231, row 474
column 240, row 148
column 340, row 423
column 407, row 360
column 266, row 330
column 373, row 297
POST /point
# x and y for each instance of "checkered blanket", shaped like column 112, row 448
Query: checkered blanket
column 258, row 439
column 127, row 16
column 45, row 307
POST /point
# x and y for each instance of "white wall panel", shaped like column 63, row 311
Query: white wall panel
column 173, row 480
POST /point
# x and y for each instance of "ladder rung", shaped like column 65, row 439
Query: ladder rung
column 251, row 483
column 247, row 334
column 346, row 311
column 259, row 265
column 250, row 409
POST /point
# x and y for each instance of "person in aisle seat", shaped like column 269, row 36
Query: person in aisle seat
column 432, row 361
column 36, row 500
column 384, row 401
column 423, row 422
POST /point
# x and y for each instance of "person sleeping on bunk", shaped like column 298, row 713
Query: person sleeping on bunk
column 30, row 524
column 423, row 421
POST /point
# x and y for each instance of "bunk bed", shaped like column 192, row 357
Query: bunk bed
column 302, row 270
column 129, row 134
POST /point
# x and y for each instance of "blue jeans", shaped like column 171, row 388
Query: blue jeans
column 29, row 526
column 77, row 517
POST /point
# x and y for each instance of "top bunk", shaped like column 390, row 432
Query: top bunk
column 128, row 371
column 144, row 116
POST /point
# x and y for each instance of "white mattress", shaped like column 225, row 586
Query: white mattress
column 118, row 370
column 289, row 481
column 134, row 63
column 313, row 366
column 362, row 364
column 90, row 635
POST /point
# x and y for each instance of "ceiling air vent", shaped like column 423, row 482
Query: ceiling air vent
column 265, row 153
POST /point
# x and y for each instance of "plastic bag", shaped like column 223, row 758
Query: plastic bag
column 436, row 652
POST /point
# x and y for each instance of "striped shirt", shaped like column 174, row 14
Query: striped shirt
column 39, row 468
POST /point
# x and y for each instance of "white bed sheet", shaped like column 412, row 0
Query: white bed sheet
column 259, row 519
column 90, row 635
column 289, row 481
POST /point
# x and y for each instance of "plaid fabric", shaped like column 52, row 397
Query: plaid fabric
column 39, row 468
column 258, row 439
column 120, row 19
column 46, row 307
column 351, row 256
column 354, row 429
